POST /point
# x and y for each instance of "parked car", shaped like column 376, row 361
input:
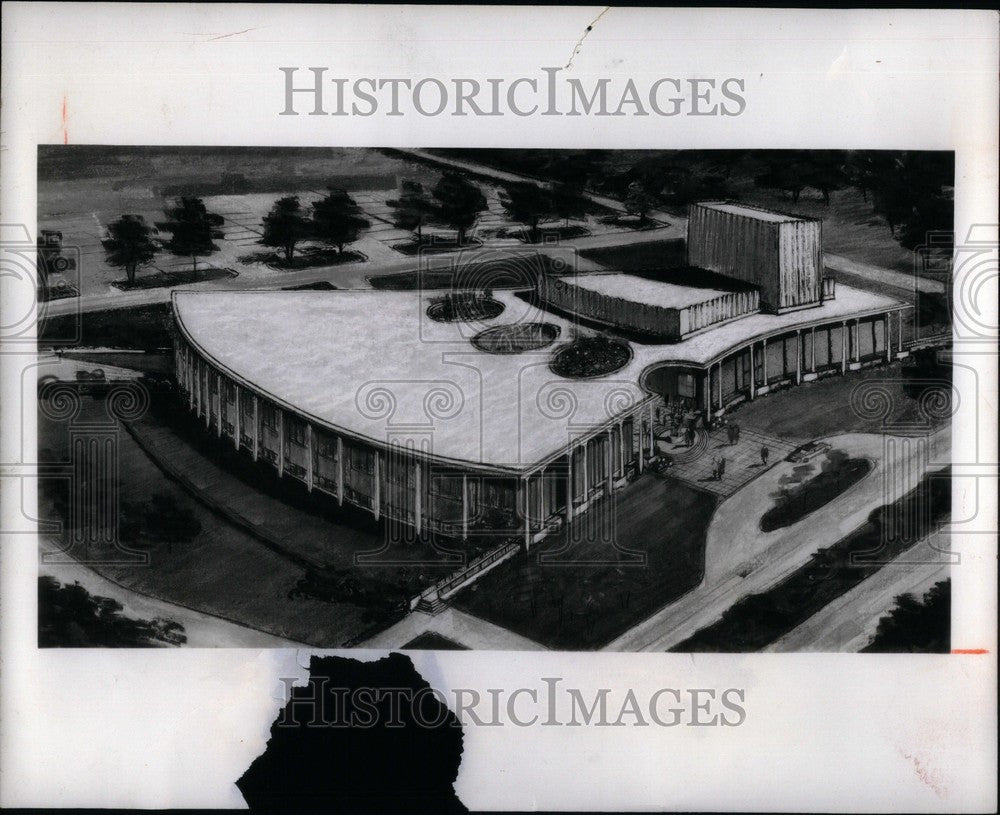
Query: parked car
column 807, row 452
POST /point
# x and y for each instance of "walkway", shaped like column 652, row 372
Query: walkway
column 865, row 271
column 695, row 464
column 456, row 625
column 741, row 560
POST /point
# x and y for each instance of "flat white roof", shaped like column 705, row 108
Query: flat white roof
column 756, row 213
column 642, row 290
column 372, row 364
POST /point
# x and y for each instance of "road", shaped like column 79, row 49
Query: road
column 848, row 623
column 742, row 560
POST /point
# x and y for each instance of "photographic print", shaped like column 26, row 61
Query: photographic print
column 434, row 409
column 495, row 399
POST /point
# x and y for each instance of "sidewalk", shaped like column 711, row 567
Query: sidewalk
column 457, row 626
column 741, row 560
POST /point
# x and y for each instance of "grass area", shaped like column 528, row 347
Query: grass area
column 579, row 595
column 520, row 270
column 305, row 259
column 813, row 410
column 179, row 277
column 640, row 256
column 760, row 619
column 153, row 363
column 799, row 498
column 200, row 559
column 142, row 327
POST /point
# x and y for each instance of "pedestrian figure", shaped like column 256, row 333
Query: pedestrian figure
column 689, row 437
column 722, row 468
column 764, row 453
column 736, row 434
column 715, row 469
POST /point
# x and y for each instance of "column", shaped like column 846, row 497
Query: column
column 281, row 441
column 586, row 474
column 753, row 375
column 637, row 423
column 888, row 338
column 720, row 384
column 256, row 427
column 238, row 419
column 340, row 470
column 417, row 497
column 843, row 346
column 608, row 472
column 706, row 393
column 763, row 363
column 652, row 434
column 526, row 492
column 377, row 487
column 189, row 378
column 309, row 456
column 207, row 401
column 798, row 357
column 569, row 481
column 220, row 382
column 465, row 506
column 856, row 351
column 899, row 325
column 621, row 450
column 812, row 351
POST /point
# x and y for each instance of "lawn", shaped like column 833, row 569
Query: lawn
column 520, row 270
column 199, row 559
column 141, row 327
column 814, row 410
column 580, row 596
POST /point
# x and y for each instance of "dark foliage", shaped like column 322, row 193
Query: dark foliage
column 413, row 208
column 459, row 203
column 590, row 356
column 193, row 230
column 129, row 244
column 71, row 617
column 916, row 626
column 286, row 225
column 338, row 220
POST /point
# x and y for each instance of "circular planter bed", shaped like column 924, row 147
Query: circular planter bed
column 590, row 356
column 464, row 307
column 516, row 338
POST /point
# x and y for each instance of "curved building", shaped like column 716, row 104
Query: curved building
column 442, row 414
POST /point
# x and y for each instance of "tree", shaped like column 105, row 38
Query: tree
column 638, row 201
column 568, row 201
column 528, row 204
column 338, row 220
column 459, row 203
column 192, row 230
column 129, row 244
column 414, row 208
column 285, row 225
column 916, row 626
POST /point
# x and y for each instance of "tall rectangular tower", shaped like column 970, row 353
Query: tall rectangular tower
column 782, row 254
